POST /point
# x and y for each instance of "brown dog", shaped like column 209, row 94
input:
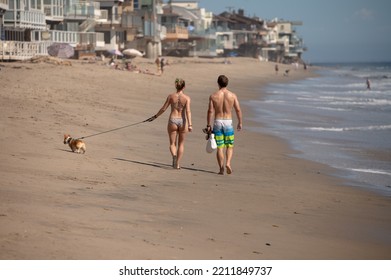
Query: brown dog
column 76, row 145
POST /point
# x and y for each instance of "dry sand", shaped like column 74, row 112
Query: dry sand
column 122, row 200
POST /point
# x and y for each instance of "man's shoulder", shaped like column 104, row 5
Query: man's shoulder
column 214, row 94
column 230, row 94
column 229, row 91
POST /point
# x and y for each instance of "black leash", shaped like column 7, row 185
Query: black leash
column 118, row 128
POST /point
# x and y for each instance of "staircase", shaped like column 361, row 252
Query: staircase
column 87, row 25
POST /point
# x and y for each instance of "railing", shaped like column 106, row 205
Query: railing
column 100, row 40
column 177, row 32
column 54, row 11
column 73, row 38
column 14, row 50
column 25, row 19
column 129, row 20
column 104, row 15
column 83, row 9
column 207, row 34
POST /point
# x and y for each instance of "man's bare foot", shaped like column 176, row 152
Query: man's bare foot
column 221, row 171
column 229, row 170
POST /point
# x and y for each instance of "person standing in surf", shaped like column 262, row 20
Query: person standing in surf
column 179, row 122
column 220, row 108
column 368, row 82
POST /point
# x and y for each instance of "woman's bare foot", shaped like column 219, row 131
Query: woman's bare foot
column 229, row 170
column 174, row 162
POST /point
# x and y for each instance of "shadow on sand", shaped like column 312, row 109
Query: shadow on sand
column 164, row 165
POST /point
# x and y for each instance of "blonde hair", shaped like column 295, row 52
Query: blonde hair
column 179, row 84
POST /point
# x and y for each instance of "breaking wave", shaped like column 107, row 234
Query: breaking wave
column 359, row 128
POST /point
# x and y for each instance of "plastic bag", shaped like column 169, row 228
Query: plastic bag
column 211, row 144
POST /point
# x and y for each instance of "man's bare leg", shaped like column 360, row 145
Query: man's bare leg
column 230, row 151
column 220, row 159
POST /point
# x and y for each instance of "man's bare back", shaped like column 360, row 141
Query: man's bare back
column 223, row 101
column 221, row 104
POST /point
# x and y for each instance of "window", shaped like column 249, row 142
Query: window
column 107, row 37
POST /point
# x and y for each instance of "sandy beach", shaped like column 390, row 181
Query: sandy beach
column 123, row 200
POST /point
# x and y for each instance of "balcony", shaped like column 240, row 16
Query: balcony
column 176, row 32
column 73, row 38
column 83, row 10
column 54, row 12
column 25, row 19
column 129, row 20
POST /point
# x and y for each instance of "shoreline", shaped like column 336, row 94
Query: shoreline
column 346, row 167
column 121, row 200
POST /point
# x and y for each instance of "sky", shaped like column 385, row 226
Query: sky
column 332, row 30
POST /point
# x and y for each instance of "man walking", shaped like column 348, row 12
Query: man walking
column 220, row 108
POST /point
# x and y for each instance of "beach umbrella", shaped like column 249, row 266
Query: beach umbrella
column 132, row 52
column 61, row 50
column 115, row 52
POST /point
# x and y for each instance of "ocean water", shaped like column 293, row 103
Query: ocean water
column 334, row 119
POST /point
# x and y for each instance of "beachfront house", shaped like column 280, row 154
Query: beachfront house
column 188, row 30
column 175, row 41
column 192, row 31
column 282, row 44
column 18, row 19
column 238, row 34
column 276, row 40
column 31, row 26
column 180, row 28
column 132, row 24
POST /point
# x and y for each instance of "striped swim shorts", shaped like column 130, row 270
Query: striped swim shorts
column 224, row 133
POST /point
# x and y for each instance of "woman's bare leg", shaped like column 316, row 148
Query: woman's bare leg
column 172, row 130
column 181, row 147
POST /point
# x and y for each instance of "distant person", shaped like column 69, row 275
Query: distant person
column 179, row 121
column 368, row 84
column 220, row 108
column 162, row 64
column 276, row 69
column 157, row 62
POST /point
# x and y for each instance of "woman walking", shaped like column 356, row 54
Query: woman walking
column 179, row 122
